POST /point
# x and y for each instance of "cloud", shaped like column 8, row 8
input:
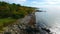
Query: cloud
column 48, row 2
column 35, row 2
column 14, row 1
column 53, row 1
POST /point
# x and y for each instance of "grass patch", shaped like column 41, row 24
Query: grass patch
column 5, row 22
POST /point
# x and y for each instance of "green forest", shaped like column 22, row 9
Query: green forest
column 14, row 10
column 11, row 12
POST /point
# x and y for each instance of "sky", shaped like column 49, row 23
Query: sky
column 37, row 3
column 52, row 7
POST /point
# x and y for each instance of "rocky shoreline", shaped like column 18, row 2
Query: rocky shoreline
column 26, row 25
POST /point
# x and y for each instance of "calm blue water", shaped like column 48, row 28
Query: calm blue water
column 49, row 20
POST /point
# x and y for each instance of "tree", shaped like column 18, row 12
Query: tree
column 14, row 10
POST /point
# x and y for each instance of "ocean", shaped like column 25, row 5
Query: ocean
column 49, row 19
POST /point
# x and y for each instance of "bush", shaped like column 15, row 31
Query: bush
column 18, row 16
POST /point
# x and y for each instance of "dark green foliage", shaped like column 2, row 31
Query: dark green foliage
column 18, row 16
column 14, row 10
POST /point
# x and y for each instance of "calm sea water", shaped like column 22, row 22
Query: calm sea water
column 49, row 19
